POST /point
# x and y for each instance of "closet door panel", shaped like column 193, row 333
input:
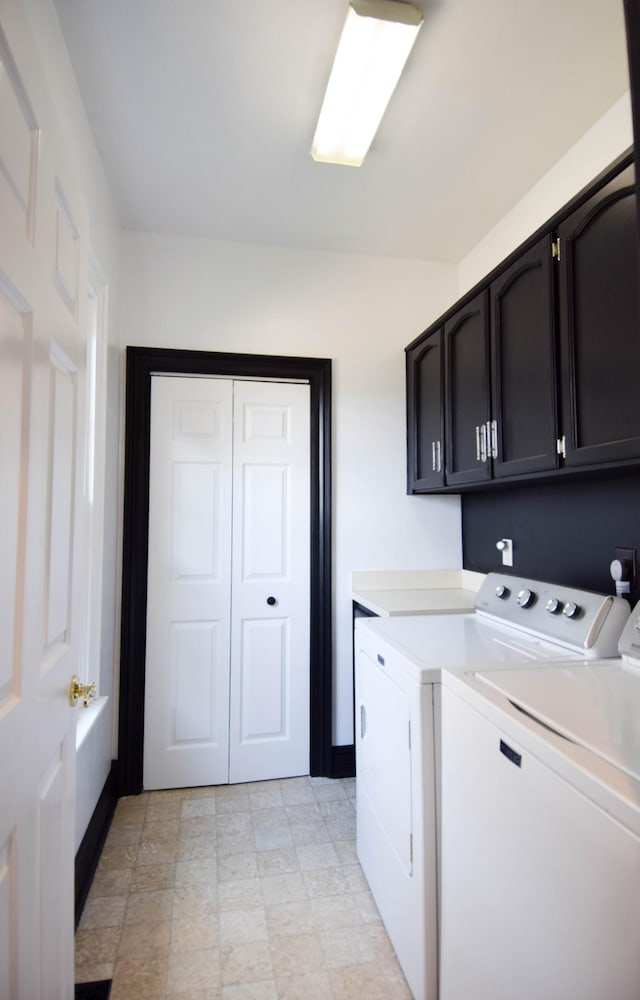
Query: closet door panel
column 189, row 583
column 269, row 708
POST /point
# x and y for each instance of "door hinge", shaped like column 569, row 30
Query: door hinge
column 555, row 249
column 561, row 446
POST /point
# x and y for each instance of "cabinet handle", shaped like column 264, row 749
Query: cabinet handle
column 439, row 456
column 483, row 443
column 494, row 438
column 433, row 456
column 477, row 444
column 363, row 721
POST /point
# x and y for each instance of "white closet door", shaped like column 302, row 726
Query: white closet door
column 189, row 588
column 269, row 711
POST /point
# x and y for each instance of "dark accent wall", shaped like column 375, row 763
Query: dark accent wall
column 563, row 532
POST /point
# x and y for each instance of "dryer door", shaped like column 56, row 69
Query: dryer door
column 384, row 755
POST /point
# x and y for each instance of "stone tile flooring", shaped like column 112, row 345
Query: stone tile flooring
column 236, row 892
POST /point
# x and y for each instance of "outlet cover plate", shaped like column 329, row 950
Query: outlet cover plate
column 628, row 559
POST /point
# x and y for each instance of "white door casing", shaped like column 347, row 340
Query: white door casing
column 43, row 253
column 227, row 674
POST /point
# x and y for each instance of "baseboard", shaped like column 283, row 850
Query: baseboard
column 343, row 761
column 99, row 990
column 88, row 853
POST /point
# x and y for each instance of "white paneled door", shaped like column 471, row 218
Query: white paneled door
column 43, row 253
column 227, row 661
column 269, row 705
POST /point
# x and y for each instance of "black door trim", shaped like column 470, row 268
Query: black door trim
column 142, row 363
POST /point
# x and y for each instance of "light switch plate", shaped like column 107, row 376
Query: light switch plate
column 505, row 545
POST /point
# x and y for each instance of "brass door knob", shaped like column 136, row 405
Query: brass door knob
column 78, row 690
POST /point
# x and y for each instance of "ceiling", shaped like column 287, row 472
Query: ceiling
column 204, row 111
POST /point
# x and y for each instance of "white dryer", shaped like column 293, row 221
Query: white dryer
column 399, row 668
column 541, row 831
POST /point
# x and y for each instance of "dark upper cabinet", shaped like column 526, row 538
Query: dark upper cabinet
column 537, row 371
column 425, row 419
column 523, row 428
column 466, row 393
column 600, row 327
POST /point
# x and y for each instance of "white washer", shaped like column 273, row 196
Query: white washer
column 541, row 831
column 399, row 665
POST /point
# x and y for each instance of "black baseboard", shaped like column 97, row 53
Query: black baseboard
column 88, row 853
column 343, row 761
column 99, row 990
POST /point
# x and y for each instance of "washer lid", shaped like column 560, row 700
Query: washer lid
column 460, row 643
column 594, row 704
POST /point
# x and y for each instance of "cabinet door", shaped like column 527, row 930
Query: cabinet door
column 600, row 326
column 425, row 453
column 632, row 18
column 466, row 338
column 523, row 370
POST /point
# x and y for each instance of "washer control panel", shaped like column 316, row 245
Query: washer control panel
column 585, row 621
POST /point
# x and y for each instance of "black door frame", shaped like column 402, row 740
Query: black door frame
column 142, row 363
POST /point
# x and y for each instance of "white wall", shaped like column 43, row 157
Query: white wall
column 67, row 125
column 607, row 139
column 358, row 311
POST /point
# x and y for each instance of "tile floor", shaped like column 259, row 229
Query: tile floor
column 237, row 892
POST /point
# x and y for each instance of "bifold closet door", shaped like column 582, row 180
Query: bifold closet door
column 269, row 710
column 186, row 736
column 227, row 661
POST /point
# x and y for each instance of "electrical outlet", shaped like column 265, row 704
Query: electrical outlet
column 628, row 559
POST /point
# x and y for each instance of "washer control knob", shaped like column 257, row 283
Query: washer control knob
column 553, row 606
column 525, row 598
column 502, row 592
column 571, row 610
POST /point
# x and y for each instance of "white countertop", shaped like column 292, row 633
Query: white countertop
column 416, row 592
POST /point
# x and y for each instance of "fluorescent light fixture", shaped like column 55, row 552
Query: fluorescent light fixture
column 376, row 40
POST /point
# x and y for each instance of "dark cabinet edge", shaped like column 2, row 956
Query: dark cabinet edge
column 547, row 228
column 632, row 23
column 621, row 467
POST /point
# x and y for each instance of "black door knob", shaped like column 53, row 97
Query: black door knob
column 271, row 601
